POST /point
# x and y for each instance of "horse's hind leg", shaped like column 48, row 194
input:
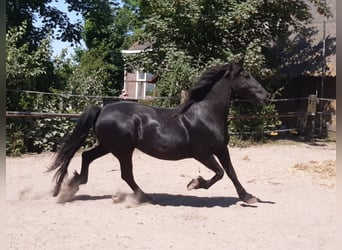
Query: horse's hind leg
column 68, row 191
column 225, row 160
column 87, row 158
column 126, row 167
column 212, row 164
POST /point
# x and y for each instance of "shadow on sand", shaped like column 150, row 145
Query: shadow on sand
column 85, row 197
column 163, row 199
column 176, row 200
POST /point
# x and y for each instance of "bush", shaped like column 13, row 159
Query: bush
column 263, row 118
column 47, row 133
column 178, row 76
column 15, row 140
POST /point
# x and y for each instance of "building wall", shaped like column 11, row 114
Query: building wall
column 299, row 89
column 130, row 84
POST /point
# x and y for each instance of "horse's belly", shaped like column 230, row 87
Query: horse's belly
column 169, row 149
column 166, row 154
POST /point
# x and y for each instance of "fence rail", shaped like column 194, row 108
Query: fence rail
column 39, row 114
column 307, row 115
column 66, row 95
column 74, row 115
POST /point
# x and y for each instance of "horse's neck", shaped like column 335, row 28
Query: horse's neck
column 218, row 99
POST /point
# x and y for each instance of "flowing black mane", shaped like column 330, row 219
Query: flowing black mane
column 203, row 85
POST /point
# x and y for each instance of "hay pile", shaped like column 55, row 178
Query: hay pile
column 324, row 171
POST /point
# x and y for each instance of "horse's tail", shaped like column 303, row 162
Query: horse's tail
column 77, row 138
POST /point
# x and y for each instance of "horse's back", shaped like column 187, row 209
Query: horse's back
column 119, row 117
column 155, row 131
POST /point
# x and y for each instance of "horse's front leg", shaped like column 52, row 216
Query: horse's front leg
column 225, row 160
column 213, row 165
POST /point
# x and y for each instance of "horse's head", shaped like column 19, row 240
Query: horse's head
column 244, row 85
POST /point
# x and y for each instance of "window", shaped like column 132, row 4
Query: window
column 141, row 75
column 149, row 89
column 142, row 87
column 140, row 90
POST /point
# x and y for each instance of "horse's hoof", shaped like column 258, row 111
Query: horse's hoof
column 67, row 193
column 134, row 198
column 249, row 199
column 197, row 183
column 76, row 173
column 118, row 197
column 193, row 184
column 143, row 198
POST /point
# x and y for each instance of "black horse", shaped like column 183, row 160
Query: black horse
column 196, row 129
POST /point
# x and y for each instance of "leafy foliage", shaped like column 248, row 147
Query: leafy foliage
column 15, row 139
column 264, row 119
column 24, row 67
column 208, row 32
column 104, row 33
column 187, row 36
column 178, row 76
column 21, row 64
column 222, row 30
column 54, row 22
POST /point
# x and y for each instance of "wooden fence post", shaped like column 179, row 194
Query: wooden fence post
column 310, row 117
column 184, row 96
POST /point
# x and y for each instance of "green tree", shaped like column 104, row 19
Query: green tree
column 207, row 32
column 24, row 68
column 177, row 77
column 223, row 30
column 53, row 21
column 97, row 70
column 30, row 27
column 106, row 26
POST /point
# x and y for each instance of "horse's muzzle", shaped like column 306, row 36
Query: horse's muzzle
column 263, row 100
column 266, row 101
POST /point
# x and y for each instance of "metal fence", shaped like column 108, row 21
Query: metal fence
column 309, row 117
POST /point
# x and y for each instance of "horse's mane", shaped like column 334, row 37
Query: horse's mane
column 203, row 85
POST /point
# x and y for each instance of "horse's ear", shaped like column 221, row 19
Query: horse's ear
column 241, row 61
column 228, row 71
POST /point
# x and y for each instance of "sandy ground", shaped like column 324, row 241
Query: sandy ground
column 297, row 208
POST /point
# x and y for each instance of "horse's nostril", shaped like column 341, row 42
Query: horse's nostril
column 267, row 98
